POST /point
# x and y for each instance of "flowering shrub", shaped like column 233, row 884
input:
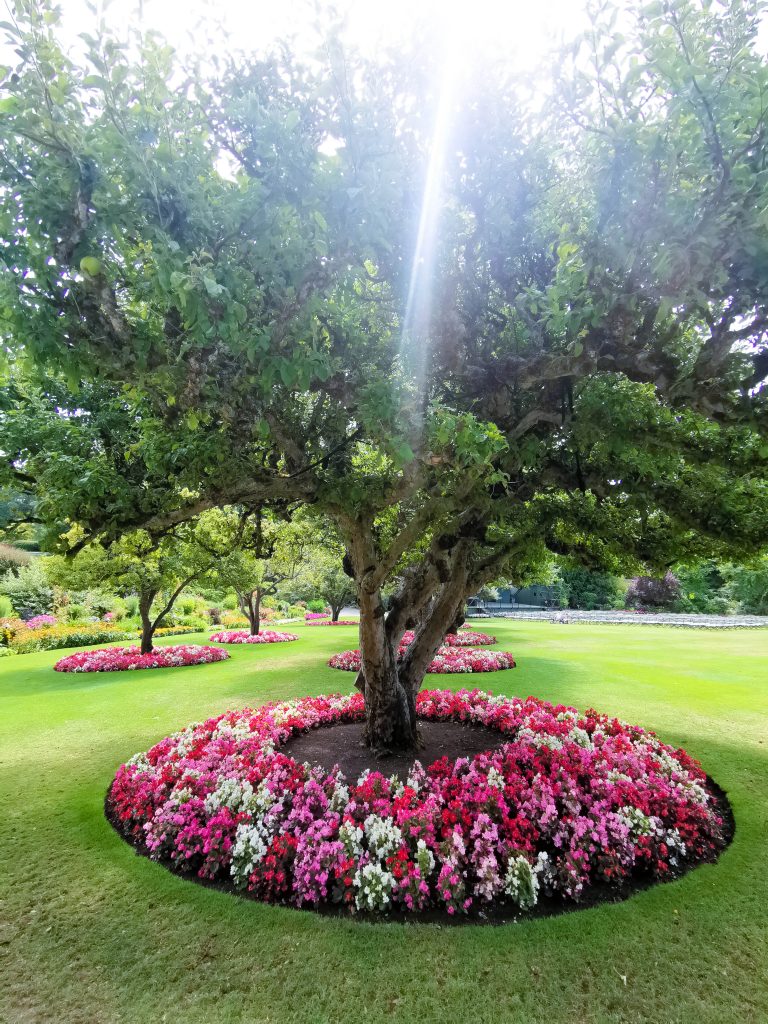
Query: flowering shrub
column 242, row 636
column 116, row 659
column 568, row 801
column 39, row 621
column 339, row 622
column 447, row 660
column 53, row 638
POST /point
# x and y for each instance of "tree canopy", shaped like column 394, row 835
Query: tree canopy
column 539, row 326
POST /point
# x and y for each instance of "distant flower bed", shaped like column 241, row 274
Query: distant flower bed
column 118, row 659
column 53, row 638
column 242, row 636
column 464, row 638
column 569, row 802
column 468, row 638
column 309, row 616
column 339, row 622
column 447, row 660
column 39, row 621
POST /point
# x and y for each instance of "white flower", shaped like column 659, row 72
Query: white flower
column 373, row 887
column 383, row 836
column 521, row 882
column 250, row 846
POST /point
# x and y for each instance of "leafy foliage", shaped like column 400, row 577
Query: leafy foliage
column 577, row 366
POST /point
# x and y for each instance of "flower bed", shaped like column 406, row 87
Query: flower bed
column 464, row 638
column 447, row 660
column 242, row 636
column 569, row 802
column 117, row 659
column 52, row 638
column 311, row 616
column 339, row 622
column 468, row 638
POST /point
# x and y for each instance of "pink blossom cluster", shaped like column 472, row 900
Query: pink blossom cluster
column 117, row 659
column 309, row 616
column 568, row 801
column 339, row 622
column 447, row 660
column 242, row 636
column 40, row 621
column 468, row 638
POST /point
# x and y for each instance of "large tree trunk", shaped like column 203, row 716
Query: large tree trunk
column 250, row 606
column 147, row 625
column 431, row 597
column 390, row 712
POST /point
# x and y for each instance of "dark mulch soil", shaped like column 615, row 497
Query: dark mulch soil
column 340, row 744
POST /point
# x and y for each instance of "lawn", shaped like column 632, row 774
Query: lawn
column 91, row 933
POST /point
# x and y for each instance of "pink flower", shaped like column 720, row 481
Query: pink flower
column 569, row 800
column 242, row 636
column 118, row 659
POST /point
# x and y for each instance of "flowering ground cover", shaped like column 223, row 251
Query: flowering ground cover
column 568, row 802
column 91, row 933
column 242, row 636
column 446, row 660
column 118, row 659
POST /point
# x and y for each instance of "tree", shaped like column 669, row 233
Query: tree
column 647, row 591
column 748, row 584
column 254, row 554
column 589, row 588
column 572, row 358
column 155, row 569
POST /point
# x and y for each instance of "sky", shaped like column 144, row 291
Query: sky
column 522, row 29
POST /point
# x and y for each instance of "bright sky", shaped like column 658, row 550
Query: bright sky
column 521, row 29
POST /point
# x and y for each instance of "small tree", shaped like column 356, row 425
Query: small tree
column 154, row 569
column 252, row 553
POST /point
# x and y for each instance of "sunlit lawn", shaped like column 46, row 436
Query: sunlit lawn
column 89, row 932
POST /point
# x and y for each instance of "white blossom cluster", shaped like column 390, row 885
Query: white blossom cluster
column 250, row 846
column 383, row 835
column 373, row 887
column 521, row 883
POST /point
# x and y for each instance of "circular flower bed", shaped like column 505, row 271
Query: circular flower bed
column 339, row 622
column 117, row 659
column 569, row 803
column 242, row 636
column 447, row 660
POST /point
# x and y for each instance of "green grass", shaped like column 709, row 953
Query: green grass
column 91, row 933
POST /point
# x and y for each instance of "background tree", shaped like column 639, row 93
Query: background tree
column 254, row 555
column 653, row 592
column 589, row 588
column 571, row 358
column 154, row 569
